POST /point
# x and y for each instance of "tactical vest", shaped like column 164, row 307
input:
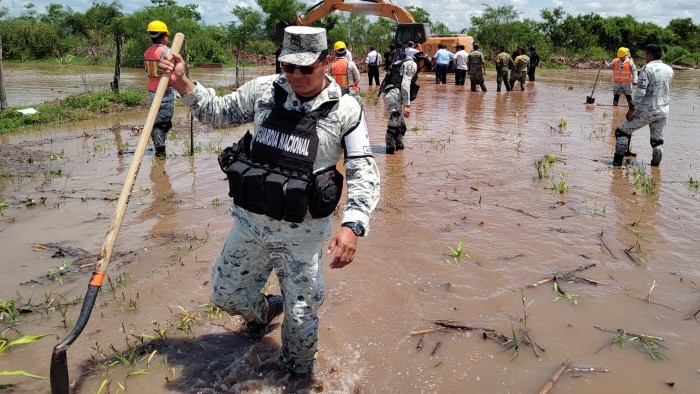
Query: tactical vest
column 393, row 79
column 622, row 74
column 150, row 63
column 272, row 173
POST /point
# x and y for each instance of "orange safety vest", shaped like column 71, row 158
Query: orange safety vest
column 339, row 71
column 150, row 63
column 623, row 74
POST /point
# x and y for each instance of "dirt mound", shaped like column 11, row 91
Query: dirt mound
column 577, row 63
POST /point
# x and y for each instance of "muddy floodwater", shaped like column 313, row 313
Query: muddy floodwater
column 438, row 290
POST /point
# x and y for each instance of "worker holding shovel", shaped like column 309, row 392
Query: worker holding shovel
column 649, row 106
column 624, row 75
column 285, row 187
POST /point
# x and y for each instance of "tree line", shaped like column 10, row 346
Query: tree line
column 61, row 33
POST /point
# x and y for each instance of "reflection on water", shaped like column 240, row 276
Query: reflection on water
column 467, row 175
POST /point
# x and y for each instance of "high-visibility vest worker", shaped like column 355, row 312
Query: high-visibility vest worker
column 154, row 53
column 622, row 73
column 339, row 71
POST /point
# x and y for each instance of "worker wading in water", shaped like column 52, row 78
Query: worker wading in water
column 399, row 88
column 163, row 123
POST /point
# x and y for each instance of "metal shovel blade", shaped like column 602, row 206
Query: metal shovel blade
column 590, row 100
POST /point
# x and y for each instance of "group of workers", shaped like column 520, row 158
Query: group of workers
column 283, row 177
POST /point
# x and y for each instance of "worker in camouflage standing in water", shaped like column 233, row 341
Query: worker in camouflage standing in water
column 520, row 68
column 159, row 36
column 477, row 68
column 503, row 65
column 399, row 88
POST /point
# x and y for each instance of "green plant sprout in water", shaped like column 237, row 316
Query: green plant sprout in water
column 3, row 207
column 563, row 123
column 519, row 336
column 643, row 180
column 692, row 183
column 560, row 293
column 6, row 343
column 456, row 253
column 595, row 209
column 560, row 186
column 543, row 164
column 643, row 343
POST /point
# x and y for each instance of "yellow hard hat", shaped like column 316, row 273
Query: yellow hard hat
column 622, row 52
column 157, row 27
column 338, row 46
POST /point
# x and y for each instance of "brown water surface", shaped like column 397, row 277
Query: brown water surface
column 466, row 176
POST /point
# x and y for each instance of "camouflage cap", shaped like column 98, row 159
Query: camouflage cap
column 302, row 45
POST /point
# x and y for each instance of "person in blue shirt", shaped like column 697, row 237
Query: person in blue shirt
column 442, row 62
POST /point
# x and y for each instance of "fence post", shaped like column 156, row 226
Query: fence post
column 3, row 96
column 117, row 66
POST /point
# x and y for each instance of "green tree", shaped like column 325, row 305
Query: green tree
column 419, row 14
column 245, row 28
column 440, row 29
column 279, row 12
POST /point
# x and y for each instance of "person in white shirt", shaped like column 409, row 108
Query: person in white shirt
column 411, row 50
column 373, row 61
column 461, row 65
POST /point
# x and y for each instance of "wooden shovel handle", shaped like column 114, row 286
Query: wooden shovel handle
column 113, row 231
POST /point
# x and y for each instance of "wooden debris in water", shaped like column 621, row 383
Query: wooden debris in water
column 564, row 274
column 517, row 210
column 555, row 376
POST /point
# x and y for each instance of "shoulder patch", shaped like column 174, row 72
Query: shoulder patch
column 333, row 94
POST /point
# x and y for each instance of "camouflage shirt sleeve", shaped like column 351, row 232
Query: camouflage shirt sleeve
column 409, row 70
column 361, row 171
column 225, row 111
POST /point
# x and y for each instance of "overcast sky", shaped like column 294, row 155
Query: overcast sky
column 454, row 13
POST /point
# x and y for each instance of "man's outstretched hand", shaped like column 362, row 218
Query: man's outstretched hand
column 344, row 243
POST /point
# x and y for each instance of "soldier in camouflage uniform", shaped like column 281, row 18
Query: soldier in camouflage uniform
column 520, row 67
column 396, row 88
column 503, row 65
column 476, row 63
column 650, row 106
column 299, row 116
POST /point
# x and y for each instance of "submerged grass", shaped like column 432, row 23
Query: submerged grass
column 73, row 108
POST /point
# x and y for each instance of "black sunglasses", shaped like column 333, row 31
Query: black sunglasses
column 289, row 68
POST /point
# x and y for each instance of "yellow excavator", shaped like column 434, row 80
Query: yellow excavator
column 406, row 29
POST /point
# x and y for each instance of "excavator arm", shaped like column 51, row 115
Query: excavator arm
column 367, row 7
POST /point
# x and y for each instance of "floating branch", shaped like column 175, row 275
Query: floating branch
column 600, row 236
column 563, row 274
column 447, row 325
column 518, row 210
column 555, row 376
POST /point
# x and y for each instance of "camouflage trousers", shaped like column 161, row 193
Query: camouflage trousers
column 396, row 127
column 254, row 247
column 517, row 76
column 163, row 122
column 641, row 118
column 503, row 76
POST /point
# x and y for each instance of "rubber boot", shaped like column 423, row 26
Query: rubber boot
column 656, row 156
column 160, row 151
column 628, row 152
column 629, row 101
column 617, row 160
column 616, row 99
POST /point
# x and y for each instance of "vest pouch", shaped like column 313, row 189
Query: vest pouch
column 235, row 174
column 325, row 195
column 253, row 181
column 295, row 201
column 414, row 91
column 274, row 195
